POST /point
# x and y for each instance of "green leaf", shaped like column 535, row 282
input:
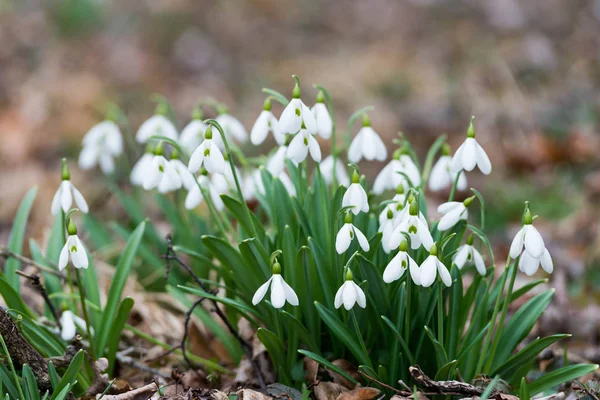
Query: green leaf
column 172, row 142
column 327, row 364
column 240, row 307
column 248, row 221
column 13, row 298
column 447, row 371
column 275, row 348
column 8, row 383
column 68, row 378
column 302, row 332
column 440, row 352
column 15, row 240
column 490, row 387
column 116, row 328
column 53, row 375
column 405, row 347
column 276, row 96
column 30, row 386
column 561, row 375
column 122, row 272
column 39, row 336
column 431, row 153
column 524, row 390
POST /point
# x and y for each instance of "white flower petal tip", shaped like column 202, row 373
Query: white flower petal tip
column 356, row 198
column 157, row 125
column 334, row 173
column 64, row 196
column 453, row 212
column 443, row 177
column 350, row 294
column 300, row 146
column 280, row 292
column 469, row 155
column 208, row 155
column 324, row 122
column 265, row 123
column 469, row 255
column 346, row 235
column 430, row 268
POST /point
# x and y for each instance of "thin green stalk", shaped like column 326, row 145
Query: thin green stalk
column 407, row 310
column 12, row 367
column 454, row 184
column 440, row 307
column 212, row 209
column 488, row 336
column 86, row 317
column 360, row 339
column 513, row 276
column 69, row 277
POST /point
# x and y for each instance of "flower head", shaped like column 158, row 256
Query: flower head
column 453, row 211
column 395, row 206
column 442, row 176
column 265, row 123
column 324, row 123
column 187, row 179
column 63, row 198
column 192, row 134
column 328, row 170
column 207, row 155
column 350, row 294
column 347, row 234
column 232, row 127
column 296, row 114
column 157, row 125
column 415, row 226
column 140, row 168
column 395, row 173
column 69, row 323
column 73, row 250
column 161, row 174
column 431, row 267
column 280, row 290
column 386, row 228
column 355, row 196
column 399, row 264
column 301, row 144
column 100, row 145
column 195, row 196
column 467, row 254
column 367, row 144
column 528, row 243
column 471, row 154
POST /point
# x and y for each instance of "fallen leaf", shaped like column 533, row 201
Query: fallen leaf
column 348, row 368
column 328, row 390
column 360, row 393
column 248, row 394
column 311, row 368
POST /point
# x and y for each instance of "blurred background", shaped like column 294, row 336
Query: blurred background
column 529, row 70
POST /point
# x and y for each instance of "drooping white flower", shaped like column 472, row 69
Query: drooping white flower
column 395, row 173
column 324, row 123
column 66, row 193
column 431, row 267
column 142, row 166
column 296, row 114
column 355, row 196
column 301, row 144
column 73, row 250
column 442, row 176
column 280, row 290
column 530, row 264
column 367, row 144
column 386, row 228
column 157, row 125
column 471, row 154
column 395, row 206
column 347, row 234
column 69, row 323
column 399, row 264
column 161, row 174
column 192, row 135
column 232, row 127
column 453, row 211
column 350, row 294
column 187, row 178
column 276, row 163
column 467, row 254
column 416, row 228
column 529, row 244
column 328, row 170
column 101, row 145
column 265, row 123
column 252, row 184
column 225, row 182
column 207, row 155
column 195, row 197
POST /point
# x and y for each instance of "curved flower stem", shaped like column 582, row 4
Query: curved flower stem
column 360, row 338
column 86, row 317
column 511, row 285
column 454, row 184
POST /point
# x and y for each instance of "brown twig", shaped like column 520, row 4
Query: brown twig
column 6, row 253
column 171, row 255
column 451, row 388
column 580, row 386
column 370, row 378
column 142, row 393
column 36, row 283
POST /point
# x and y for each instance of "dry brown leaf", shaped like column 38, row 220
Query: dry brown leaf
column 348, row 368
column 328, row 390
column 248, row 394
column 420, row 396
column 311, row 368
column 360, row 393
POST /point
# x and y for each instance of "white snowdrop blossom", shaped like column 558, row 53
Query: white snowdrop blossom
column 252, row 184
column 442, row 176
column 69, row 323
column 350, row 294
column 355, row 196
column 73, row 250
column 347, row 234
column 415, row 226
column 157, row 125
column 187, row 178
column 467, row 254
column 395, row 206
column 207, row 155
column 232, row 127
column 195, row 197
column 453, row 211
column 529, row 244
column 225, row 182
column 101, row 145
column 393, row 174
column 471, row 154
column 386, row 228
column 161, row 174
column 301, row 144
column 141, row 167
column 324, row 122
column 366, row 144
column 276, row 163
column 296, row 115
column 431, row 267
column 280, row 290
column 328, row 170
column 399, row 264
column 66, row 193
column 265, row 123
column 192, row 135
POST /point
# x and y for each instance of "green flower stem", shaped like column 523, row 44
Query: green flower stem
column 12, row 367
column 454, row 184
column 215, row 214
column 511, row 285
column 359, row 336
column 69, row 277
column 440, row 312
column 407, row 315
column 86, row 317
column 488, row 336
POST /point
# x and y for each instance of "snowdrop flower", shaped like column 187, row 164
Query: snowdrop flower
column 528, row 243
column 467, row 254
column 400, row 263
column 63, row 199
column 347, row 233
column 395, row 206
column 471, row 154
column 187, row 179
column 207, row 155
column 141, row 166
column 280, row 290
column 355, row 196
column 393, row 174
column 161, row 174
column 301, row 144
column 453, row 211
column 386, row 228
column 324, row 123
column 73, row 250
column 225, row 182
column 431, row 267
column 266, row 122
column 349, row 294
column 442, row 175
column 252, row 184
column 157, row 125
column 232, row 127
column 195, row 196
column 100, row 145
column 297, row 115
column 415, row 226
column 192, row 134
column 276, row 163
column 367, row 144
column 69, row 323
column 328, row 170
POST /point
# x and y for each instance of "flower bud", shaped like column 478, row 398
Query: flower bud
column 71, row 228
column 208, row 133
column 390, row 214
column 276, row 268
column 159, row 151
column 355, row 177
column 348, row 218
column 404, row 246
column 468, row 201
column 366, row 120
column 203, row 171
column 446, row 150
column 470, row 240
column 197, row 114
column 349, row 276
column 320, row 97
column 296, row 92
column 174, row 154
column 65, row 174
column 221, row 109
column 471, row 130
column 162, row 108
column 400, row 189
column 267, row 104
column 397, row 154
column 527, row 218
column 414, row 207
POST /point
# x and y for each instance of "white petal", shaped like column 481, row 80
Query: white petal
column 444, row 274
column 158, row 125
column 327, row 169
column 469, row 157
column 343, row 239
column 88, row 157
column 534, row 244
column 411, row 170
column 528, row 264
column 440, row 178
column 517, row 244
column 451, row 218
column 341, row 173
column 424, row 235
column 297, row 150
column 260, row 130
column 233, row 127
column 483, row 161
column 397, row 236
column 369, row 148
column 360, row 296
column 415, row 271
column 309, row 119
column 445, row 208
column 313, row 147
column 79, row 200
column 197, row 158
column 457, row 164
column 383, row 180
column 214, row 162
column 362, row 239
column 63, row 260
column 66, row 198
column 460, row 258
column 547, row 263
column 324, row 123
column 287, row 183
column 276, row 163
column 192, row 135
column 338, row 296
column 356, row 197
column 193, row 198
column 290, row 120
column 479, row 263
column 55, row 208
column 277, row 291
column 107, row 164
column 68, row 326
column 277, row 134
column 290, row 295
column 395, row 269
column 349, row 296
column 462, row 181
column 140, row 169
column 428, row 271
column 355, row 151
column 79, row 256
column 260, row 293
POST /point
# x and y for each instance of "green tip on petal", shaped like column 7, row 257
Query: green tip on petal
column 355, row 177
column 71, row 228
column 320, row 97
column 470, row 240
column 404, row 246
column 348, row 218
column 203, row 171
column 159, row 150
column 366, row 121
column 471, row 130
column 349, row 276
column 276, row 268
column 468, row 201
column 288, row 139
column 64, row 171
column 390, row 214
column 296, row 92
column 208, row 133
column 414, row 207
column 446, row 150
column 433, row 251
column 267, row 104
